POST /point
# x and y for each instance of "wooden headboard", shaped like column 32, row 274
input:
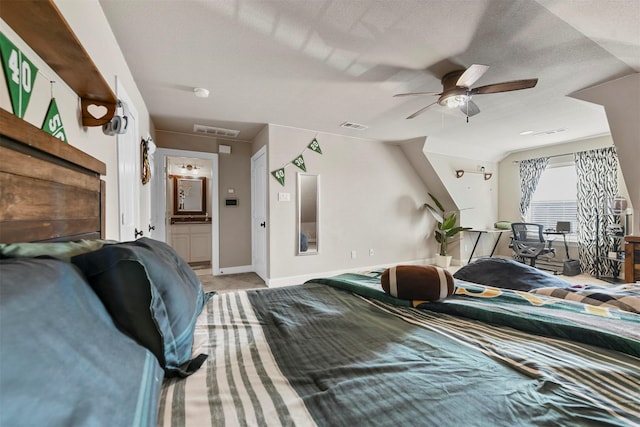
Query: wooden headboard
column 49, row 190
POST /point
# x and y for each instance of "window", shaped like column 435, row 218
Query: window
column 555, row 199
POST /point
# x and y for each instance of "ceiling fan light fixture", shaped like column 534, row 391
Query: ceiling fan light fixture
column 457, row 90
column 454, row 101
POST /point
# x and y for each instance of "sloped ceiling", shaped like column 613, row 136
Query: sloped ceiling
column 316, row 64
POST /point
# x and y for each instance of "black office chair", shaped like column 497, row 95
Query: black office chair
column 528, row 242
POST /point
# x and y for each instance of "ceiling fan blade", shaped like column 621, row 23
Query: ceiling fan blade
column 471, row 75
column 397, row 95
column 470, row 109
column 422, row 110
column 504, row 86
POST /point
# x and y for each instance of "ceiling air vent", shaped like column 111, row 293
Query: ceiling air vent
column 356, row 126
column 213, row 131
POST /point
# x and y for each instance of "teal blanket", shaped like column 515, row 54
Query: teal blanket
column 319, row 355
column 539, row 314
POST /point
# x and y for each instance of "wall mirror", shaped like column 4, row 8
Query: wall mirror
column 189, row 196
column 308, row 214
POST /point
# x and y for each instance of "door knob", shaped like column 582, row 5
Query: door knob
column 151, row 227
column 138, row 233
column 263, row 224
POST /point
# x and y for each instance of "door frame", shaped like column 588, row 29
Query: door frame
column 160, row 197
column 254, row 225
column 125, row 164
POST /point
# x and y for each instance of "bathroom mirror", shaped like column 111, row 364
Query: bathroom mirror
column 308, row 204
column 189, row 196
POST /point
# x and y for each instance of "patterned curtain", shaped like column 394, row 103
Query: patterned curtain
column 530, row 172
column 597, row 172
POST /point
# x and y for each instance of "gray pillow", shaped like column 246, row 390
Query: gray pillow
column 153, row 296
column 508, row 274
column 64, row 363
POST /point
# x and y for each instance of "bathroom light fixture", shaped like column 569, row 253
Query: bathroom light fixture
column 189, row 169
column 201, row 92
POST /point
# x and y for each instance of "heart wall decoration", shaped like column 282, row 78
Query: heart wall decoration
column 95, row 112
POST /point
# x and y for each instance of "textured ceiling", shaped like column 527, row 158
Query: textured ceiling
column 315, row 64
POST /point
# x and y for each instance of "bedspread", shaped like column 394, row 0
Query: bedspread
column 318, row 355
column 528, row 311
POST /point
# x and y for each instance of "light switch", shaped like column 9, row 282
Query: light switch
column 284, row 197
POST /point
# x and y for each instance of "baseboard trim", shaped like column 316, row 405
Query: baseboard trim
column 233, row 270
column 298, row 280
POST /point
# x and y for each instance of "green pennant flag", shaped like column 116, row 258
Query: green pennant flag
column 299, row 162
column 315, row 146
column 20, row 74
column 53, row 122
column 279, row 175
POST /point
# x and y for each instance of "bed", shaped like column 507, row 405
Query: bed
column 94, row 332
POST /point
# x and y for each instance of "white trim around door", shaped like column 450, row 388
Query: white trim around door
column 160, row 197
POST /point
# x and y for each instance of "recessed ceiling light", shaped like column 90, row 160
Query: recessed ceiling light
column 201, row 92
column 351, row 125
column 549, row 132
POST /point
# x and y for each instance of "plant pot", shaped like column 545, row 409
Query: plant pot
column 443, row 261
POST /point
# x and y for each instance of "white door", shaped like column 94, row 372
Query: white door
column 259, row 213
column 129, row 172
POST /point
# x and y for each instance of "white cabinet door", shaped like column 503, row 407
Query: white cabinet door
column 192, row 241
column 200, row 247
column 181, row 243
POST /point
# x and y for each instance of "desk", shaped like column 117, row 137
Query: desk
column 499, row 231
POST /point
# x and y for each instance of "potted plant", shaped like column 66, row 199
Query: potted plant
column 445, row 230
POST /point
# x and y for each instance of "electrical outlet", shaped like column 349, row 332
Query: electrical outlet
column 353, row 255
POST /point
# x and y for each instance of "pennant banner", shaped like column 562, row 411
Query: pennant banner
column 20, row 74
column 53, row 122
column 279, row 175
column 299, row 162
column 315, row 146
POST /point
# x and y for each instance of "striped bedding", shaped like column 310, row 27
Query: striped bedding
column 319, row 355
column 623, row 297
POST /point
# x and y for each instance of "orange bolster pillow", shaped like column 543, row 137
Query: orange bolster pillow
column 413, row 282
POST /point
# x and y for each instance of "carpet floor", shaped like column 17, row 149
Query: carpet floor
column 229, row 282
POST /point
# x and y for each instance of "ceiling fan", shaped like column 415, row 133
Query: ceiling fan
column 457, row 91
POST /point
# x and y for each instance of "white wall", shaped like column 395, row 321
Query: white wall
column 90, row 26
column 475, row 198
column 370, row 198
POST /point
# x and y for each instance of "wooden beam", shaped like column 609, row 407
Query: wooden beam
column 41, row 25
